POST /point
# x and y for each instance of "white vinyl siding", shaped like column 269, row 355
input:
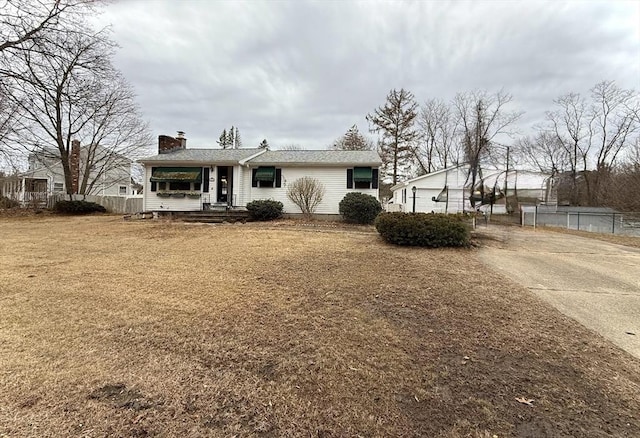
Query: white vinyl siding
column 334, row 180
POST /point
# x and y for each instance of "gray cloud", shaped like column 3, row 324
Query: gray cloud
column 303, row 72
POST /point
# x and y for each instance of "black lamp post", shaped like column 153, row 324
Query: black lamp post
column 414, row 189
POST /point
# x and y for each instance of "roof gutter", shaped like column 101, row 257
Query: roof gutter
column 243, row 162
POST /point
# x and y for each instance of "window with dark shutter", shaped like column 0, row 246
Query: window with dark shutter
column 374, row 178
column 254, row 181
column 349, row 178
column 153, row 183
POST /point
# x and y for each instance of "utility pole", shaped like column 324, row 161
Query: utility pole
column 506, row 176
column 506, row 173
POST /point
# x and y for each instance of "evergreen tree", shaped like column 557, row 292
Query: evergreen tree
column 395, row 122
column 264, row 144
column 230, row 139
column 352, row 140
column 223, row 140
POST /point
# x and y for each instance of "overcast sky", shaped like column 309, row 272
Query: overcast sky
column 297, row 72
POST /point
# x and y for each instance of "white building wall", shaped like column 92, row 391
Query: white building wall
column 431, row 186
column 333, row 179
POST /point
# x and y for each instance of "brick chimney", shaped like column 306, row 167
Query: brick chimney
column 74, row 165
column 168, row 144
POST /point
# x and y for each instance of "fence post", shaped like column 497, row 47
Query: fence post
column 578, row 221
column 568, row 221
column 535, row 217
column 613, row 223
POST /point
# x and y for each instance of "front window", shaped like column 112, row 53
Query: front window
column 266, row 176
column 179, row 185
column 362, row 178
column 122, row 190
column 176, row 179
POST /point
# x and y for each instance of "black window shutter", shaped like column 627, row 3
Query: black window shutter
column 254, row 182
column 374, row 178
column 278, row 177
column 205, row 180
column 153, row 184
column 349, row 178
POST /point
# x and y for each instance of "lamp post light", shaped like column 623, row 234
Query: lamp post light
column 414, row 189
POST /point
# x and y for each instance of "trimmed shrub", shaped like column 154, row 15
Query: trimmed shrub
column 8, row 203
column 359, row 208
column 78, row 207
column 423, row 229
column 265, row 209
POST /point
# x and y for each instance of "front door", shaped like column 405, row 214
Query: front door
column 225, row 185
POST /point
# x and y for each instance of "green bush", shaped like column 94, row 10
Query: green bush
column 78, row 207
column 265, row 209
column 359, row 208
column 422, row 229
column 8, row 203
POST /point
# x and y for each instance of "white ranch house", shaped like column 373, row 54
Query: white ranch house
column 178, row 179
column 448, row 190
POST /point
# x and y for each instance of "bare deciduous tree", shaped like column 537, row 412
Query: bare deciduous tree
column 307, row 193
column 395, row 121
column 482, row 118
column 440, row 147
column 23, row 21
column 544, row 152
column 67, row 89
column 593, row 134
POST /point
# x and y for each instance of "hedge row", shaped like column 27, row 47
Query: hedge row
column 8, row 203
column 423, row 229
column 265, row 209
column 78, row 207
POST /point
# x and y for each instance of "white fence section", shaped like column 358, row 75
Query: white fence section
column 113, row 204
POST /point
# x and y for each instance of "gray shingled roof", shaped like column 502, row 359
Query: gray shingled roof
column 203, row 155
column 317, row 158
column 292, row 158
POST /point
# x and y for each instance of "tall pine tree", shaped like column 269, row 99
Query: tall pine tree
column 398, row 136
column 230, row 139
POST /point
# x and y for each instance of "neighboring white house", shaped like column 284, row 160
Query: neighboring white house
column 45, row 176
column 448, row 190
column 181, row 179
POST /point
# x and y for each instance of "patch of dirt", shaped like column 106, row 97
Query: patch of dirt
column 121, row 397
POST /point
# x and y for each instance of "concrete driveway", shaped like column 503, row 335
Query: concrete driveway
column 596, row 283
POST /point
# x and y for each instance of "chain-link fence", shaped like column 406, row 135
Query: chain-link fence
column 596, row 221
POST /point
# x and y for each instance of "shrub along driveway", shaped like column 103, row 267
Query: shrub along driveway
column 595, row 282
column 112, row 328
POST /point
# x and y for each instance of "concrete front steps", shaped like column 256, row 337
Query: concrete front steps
column 215, row 217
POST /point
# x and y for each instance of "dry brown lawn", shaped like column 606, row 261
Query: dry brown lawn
column 112, row 328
